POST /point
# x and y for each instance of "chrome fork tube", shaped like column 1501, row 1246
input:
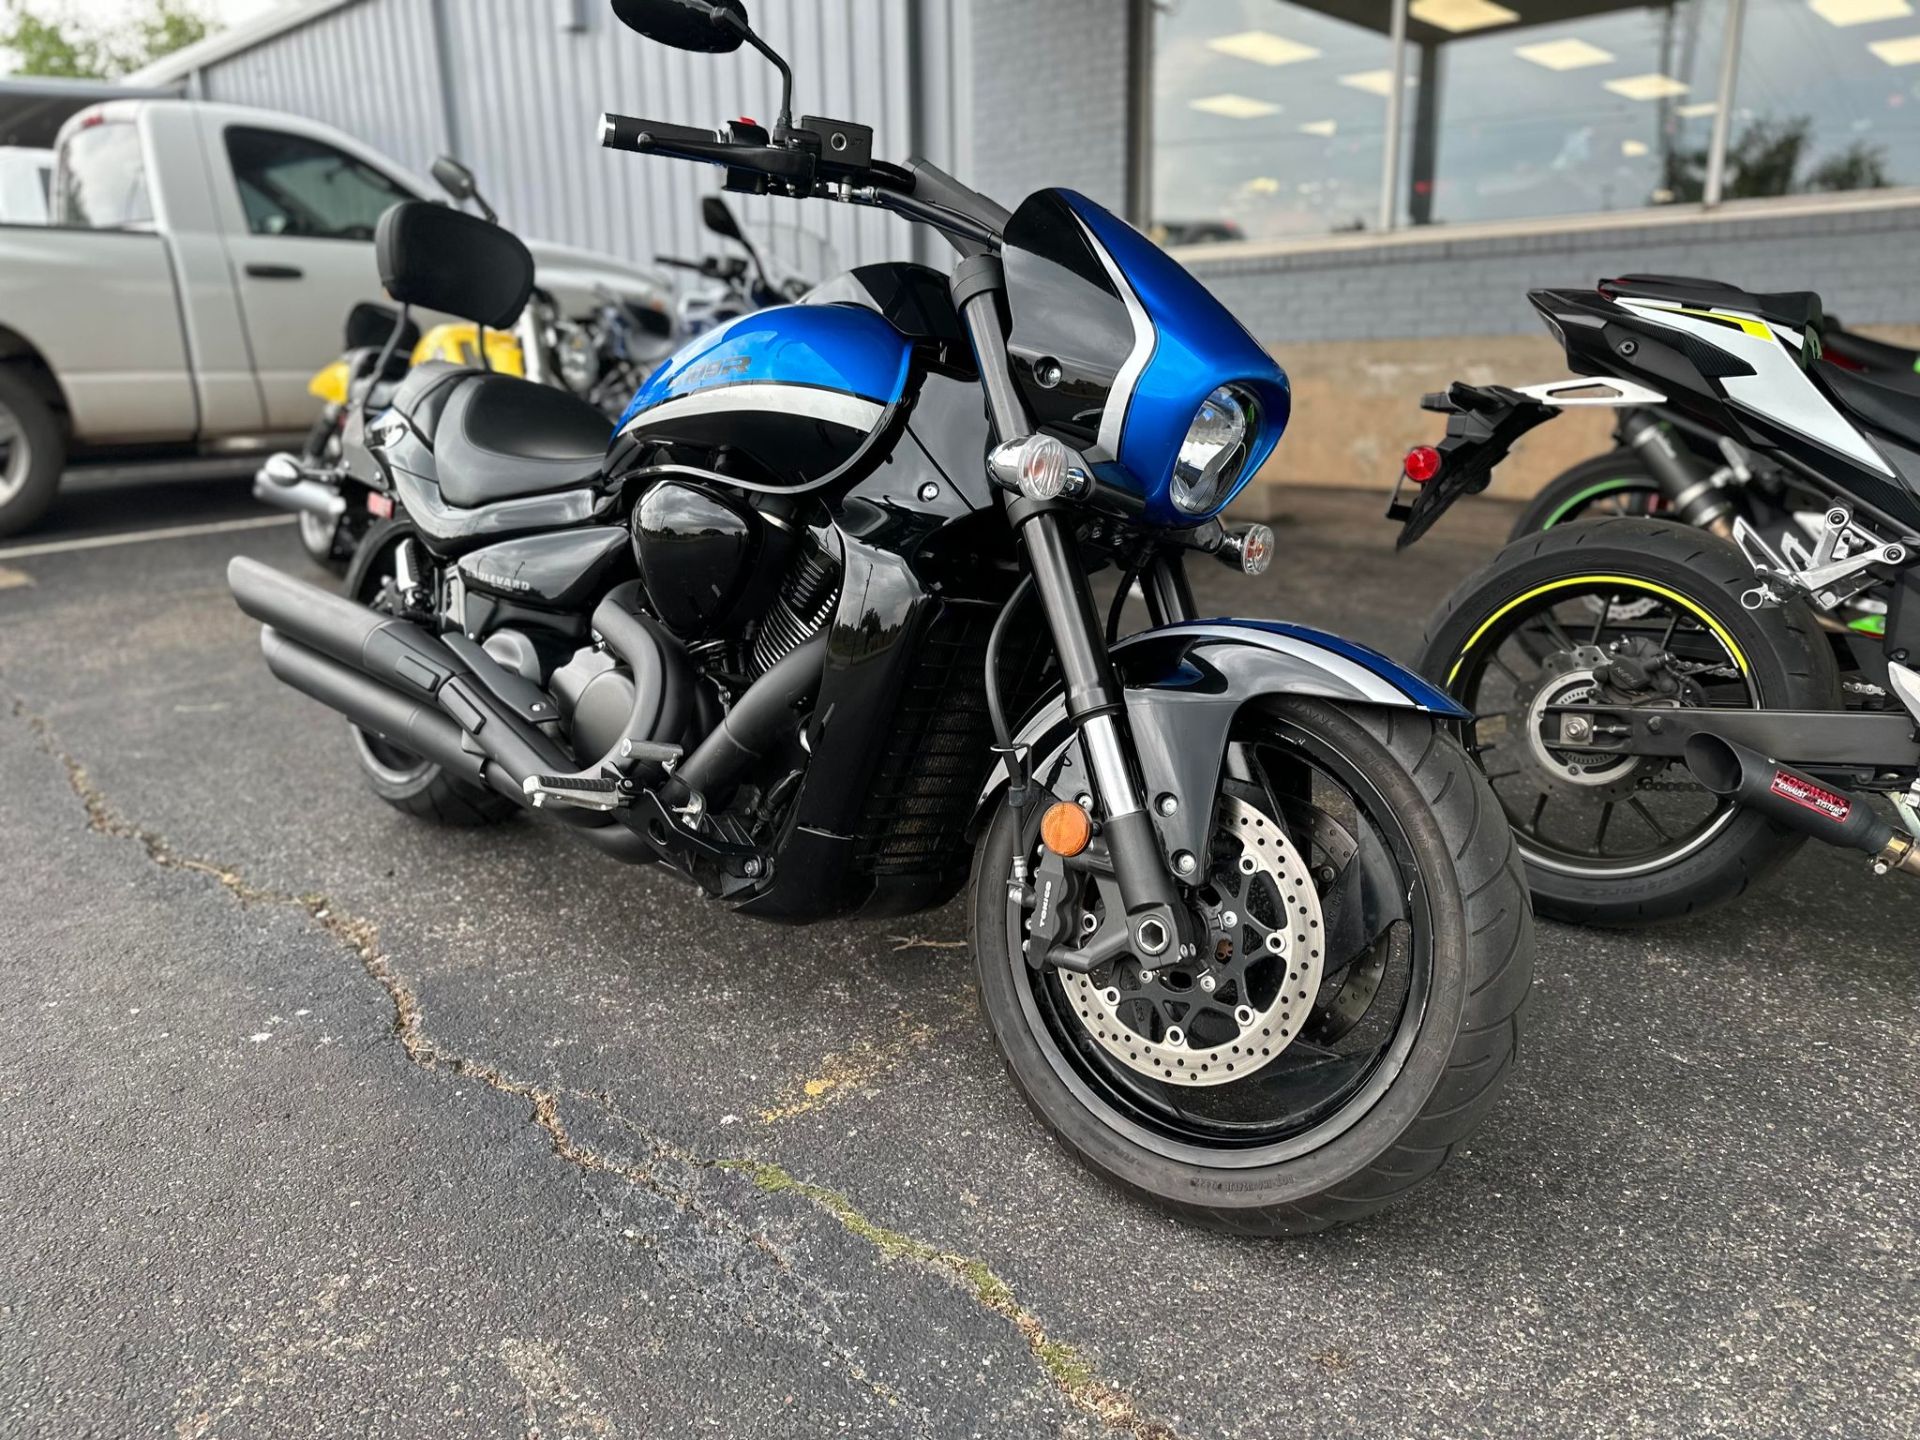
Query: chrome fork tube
column 1094, row 698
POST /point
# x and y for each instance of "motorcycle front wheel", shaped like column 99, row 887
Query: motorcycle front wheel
column 1353, row 1015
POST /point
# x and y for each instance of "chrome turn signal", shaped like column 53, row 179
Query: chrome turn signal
column 1250, row 549
column 1040, row 468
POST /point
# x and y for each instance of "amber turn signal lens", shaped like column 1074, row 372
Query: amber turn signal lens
column 1065, row 829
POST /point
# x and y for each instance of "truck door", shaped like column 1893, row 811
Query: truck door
column 303, row 256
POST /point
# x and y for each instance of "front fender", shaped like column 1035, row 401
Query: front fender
column 1185, row 683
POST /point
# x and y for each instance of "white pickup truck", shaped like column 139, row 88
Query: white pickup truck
column 198, row 264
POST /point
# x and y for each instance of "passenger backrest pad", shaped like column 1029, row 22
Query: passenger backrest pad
column 445, row 259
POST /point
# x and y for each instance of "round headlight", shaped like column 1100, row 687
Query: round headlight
column 1214, row 451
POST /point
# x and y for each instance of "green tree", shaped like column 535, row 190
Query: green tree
column 1770, row 157
column 47, row 41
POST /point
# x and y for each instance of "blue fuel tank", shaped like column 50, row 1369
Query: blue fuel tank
column 796, row 391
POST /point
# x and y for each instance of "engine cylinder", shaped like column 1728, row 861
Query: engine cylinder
column 805, row 603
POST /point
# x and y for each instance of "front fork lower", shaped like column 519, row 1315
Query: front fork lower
column 1158, row 922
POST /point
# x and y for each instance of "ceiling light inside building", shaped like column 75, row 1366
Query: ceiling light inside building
column 1374, row 82
column 1564, row 54
column 1652, row 86
column 1326, row 129
column 1460, row 16
column 1904, row 51
column 1633, row 149
column 1263, row 48
column 1698, row 109
column 1859, row 12
column 1235, row 107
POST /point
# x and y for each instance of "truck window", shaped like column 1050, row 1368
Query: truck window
column 100, row 182
column 291, row 185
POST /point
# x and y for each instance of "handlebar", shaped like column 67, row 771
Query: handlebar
column 832, row 159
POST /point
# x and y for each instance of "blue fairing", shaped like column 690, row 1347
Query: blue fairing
column 842, row 348
column 1197, row 347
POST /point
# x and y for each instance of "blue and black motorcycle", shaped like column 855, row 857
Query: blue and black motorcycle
column 816, row 631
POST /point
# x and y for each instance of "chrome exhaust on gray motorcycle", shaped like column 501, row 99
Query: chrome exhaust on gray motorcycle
column 1794, row 799
column 284, row 484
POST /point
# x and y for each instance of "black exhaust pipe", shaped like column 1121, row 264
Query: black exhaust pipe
column 416, row 725
column 1795, row 799
column 761, row 717
column 403, row 658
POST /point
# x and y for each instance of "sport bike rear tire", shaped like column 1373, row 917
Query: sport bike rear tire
column 1620, row 476
column 1790, row 667
column 1462, row 1040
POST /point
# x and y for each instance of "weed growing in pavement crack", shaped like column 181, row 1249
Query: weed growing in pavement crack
column 1065, row 1366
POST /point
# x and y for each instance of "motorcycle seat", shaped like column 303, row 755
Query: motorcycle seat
column 1795, row 309
column 1892, row 412
column 422, row 396
column 500, row 437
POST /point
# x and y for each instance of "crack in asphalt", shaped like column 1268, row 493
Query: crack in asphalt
column 1067, row 1368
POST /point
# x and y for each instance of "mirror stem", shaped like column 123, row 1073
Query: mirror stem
column 785, row 122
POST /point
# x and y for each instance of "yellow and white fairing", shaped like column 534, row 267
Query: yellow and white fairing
column 1779, row 386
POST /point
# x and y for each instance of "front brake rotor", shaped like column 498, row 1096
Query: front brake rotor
column 1228, row 1011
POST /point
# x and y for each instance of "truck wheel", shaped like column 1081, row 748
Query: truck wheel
column 32, row 454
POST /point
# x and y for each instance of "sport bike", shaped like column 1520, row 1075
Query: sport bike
column 1667, row 714
column 815, row 631
column 1669, row 465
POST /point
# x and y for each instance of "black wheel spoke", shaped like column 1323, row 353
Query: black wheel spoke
column 1640, row 809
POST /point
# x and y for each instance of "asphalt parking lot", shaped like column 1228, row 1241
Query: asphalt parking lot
column 321, row 1122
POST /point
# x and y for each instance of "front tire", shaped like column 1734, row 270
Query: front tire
column 1440, row 1063
column 33, row 453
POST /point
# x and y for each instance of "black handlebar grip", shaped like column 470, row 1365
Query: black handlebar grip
column 621, row 132
column 643, row 137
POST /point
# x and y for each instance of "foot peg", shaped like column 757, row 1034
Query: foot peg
column 607, row 788
column 582, row 792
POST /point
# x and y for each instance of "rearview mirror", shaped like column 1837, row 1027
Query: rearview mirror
column 719, row 218
column 712, row 26
column 454, row 178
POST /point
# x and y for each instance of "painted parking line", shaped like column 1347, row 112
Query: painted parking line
column 144, row 537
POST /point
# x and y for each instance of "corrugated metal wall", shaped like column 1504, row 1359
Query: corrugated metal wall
column 367, row 68
column 530, row 79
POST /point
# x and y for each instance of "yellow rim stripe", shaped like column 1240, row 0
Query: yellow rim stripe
column 1739, row 658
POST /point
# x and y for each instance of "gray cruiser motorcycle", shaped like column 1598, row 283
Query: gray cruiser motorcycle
column 815, row 631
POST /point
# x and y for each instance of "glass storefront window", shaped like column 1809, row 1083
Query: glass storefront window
column 1827, row 98
column 1269, row 117
column 1556, row 107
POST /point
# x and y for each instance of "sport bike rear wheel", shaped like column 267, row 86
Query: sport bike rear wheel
column 1603, row 488
column 1634, row 613
column 1351, row 1017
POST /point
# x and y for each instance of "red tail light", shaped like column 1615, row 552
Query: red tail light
column 1422, row 464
